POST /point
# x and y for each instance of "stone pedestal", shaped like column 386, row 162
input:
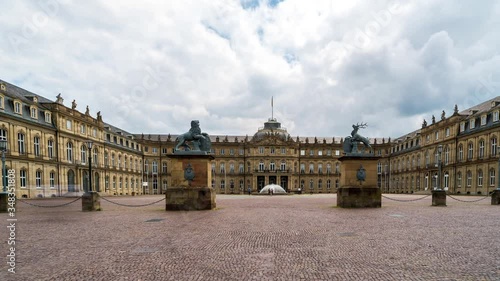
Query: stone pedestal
column 190, row 187
column 4, row 200
column 189, row 199
column 439, row 198
column 495, row 197
column 91, row 202
column 356, row 193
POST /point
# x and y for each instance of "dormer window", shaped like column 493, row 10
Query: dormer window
column 472, row 123
column 495, row 116
column 48, row 117
column 483, row 120
column 2, row 99
column 18, row 107
column 462, row 126
column 2, row 86
column 33, row 112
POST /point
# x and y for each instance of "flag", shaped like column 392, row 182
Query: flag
column 271, row 101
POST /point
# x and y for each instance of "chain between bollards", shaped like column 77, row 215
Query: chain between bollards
column 468, row 201
column 411, row 200
column 127, row 205
column 48, row 206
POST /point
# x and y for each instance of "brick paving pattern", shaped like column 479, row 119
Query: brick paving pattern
column 298, row 237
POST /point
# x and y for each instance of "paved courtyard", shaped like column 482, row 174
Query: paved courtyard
column 297, row 237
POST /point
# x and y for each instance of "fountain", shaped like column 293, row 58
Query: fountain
column 277, row 189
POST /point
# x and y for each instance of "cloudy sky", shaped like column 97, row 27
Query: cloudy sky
column 152, row 66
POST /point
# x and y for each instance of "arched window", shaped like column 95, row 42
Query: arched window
column 470, row 151
column 446, row 183
column 261, row 166
column 20, row 143
column 38, row 178
column 469, row 178
column 320, row 184
column 311, row 185
column 113, row 163
column 328, row 184
column 460, row 152
column 83, row 154
column 272, row 166
column 459, row 179
column 481, row 149
column 36, row 146
column 283, row 165
column 22, row 178
column 3, row 134
column 311, row 168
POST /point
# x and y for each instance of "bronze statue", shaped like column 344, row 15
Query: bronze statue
column 351, row 143
column 199, row 140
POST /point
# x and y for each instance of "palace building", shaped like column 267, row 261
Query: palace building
column 47, row 147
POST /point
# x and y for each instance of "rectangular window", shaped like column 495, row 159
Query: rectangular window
column 261, row 150
column 437, row 135
column 52, row 179
column 242, row 151
column 33, row 112
column 462, row 126
column 17, row 107
column 50, row 149
column 311, row 152
column 302, row 152
column 20, row 143
column 94, row 132
column 22, row 178
column 68, row 125
column 495, row 116
column 48, row 118
column 155, row 150
column 82, row 129
column 272, row 150
column 320, row 152
column 222, row 152
column 329, row 152
column 337, row 152
column 164, row 150
column 283, row 150
column 1, row 102
column 448, row 132
column 36, row 146
column 231, row 151
column 38, row 179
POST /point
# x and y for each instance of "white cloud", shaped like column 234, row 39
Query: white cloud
column 153, row 66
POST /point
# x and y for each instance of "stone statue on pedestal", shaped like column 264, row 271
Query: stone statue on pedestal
column 199, row 141
column 351, row 142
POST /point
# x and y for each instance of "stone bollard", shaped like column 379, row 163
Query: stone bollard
column 495, row 197
column 91, row 202
column 439, row 198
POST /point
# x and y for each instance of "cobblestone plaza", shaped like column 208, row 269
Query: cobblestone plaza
column 297, row 237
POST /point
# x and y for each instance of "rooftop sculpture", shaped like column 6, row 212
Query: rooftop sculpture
column 350, row 144
column 200, row 141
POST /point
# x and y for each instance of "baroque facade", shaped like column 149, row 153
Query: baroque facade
column 47, row 147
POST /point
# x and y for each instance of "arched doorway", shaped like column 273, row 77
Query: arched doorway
column 71, row 181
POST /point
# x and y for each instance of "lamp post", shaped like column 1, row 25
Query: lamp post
column 4, row 196
column 89, row 146
column 498, row 177
column 3, row 149
column 440, row 149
